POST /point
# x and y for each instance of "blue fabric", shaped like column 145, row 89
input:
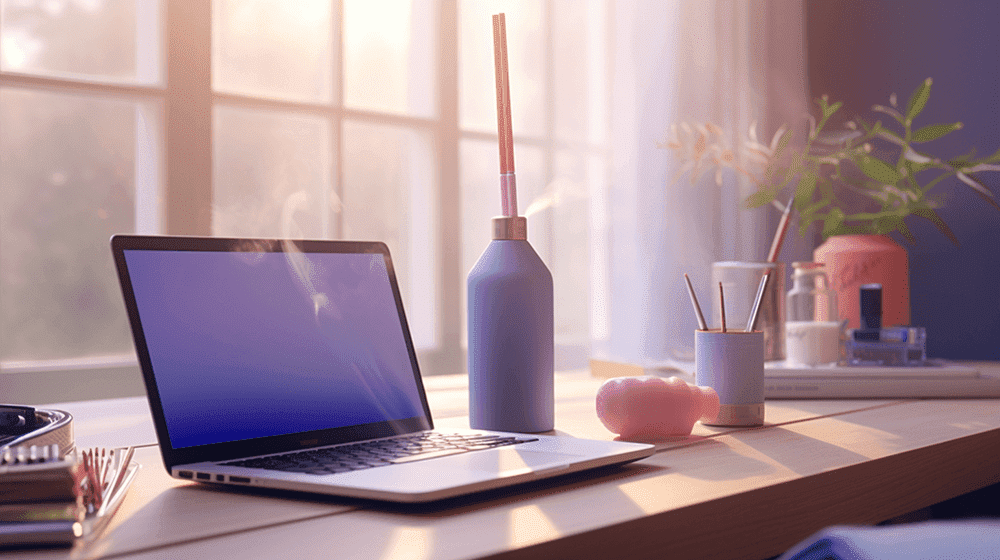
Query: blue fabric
column 959, row 540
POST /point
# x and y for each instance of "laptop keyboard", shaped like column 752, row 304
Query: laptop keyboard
column 378, row 453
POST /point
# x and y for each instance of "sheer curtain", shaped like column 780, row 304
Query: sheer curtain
column 729, row 63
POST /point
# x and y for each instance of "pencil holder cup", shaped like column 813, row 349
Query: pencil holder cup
column 732, row 363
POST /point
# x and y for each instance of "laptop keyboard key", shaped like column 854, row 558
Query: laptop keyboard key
column 427, row 455
column 378, row 453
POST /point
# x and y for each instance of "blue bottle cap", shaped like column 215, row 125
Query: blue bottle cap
column 871, row 306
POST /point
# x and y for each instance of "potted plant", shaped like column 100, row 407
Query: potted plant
column 857, row 185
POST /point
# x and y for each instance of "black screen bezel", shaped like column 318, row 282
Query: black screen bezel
column 270, row 444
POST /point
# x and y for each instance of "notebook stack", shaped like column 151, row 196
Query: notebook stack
column 49, row 499
column 40, row 503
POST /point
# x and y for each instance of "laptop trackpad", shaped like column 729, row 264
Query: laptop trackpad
column 509, row 459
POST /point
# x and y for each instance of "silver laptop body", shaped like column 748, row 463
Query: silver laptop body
column 260, row 356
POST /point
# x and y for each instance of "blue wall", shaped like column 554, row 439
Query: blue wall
column 861, row 51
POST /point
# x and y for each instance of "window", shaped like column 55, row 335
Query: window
column 320, row 118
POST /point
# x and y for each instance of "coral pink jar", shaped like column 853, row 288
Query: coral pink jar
column 853, row 260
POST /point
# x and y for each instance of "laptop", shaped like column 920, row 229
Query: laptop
column 288, row 364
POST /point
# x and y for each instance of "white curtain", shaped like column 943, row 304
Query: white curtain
column 726, row 62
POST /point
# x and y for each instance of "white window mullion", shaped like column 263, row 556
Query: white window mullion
column 150, row 57
column 149, row 139
column 449, row 231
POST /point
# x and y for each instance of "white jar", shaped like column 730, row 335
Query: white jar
column 812, row 331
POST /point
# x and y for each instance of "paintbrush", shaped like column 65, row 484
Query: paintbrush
column 694, row 302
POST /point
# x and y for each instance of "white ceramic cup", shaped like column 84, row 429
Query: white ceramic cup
column 740, row 281
column 732, row 363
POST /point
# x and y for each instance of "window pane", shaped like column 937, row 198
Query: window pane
column 480, row 184
column 568, row 204
column 525, row 57
column 600, row 248
column 274, row 48
column 68, row 175
column 389, row 56
column 580, row 80
column 272, row 175
column 390, row 195
column 103, row 40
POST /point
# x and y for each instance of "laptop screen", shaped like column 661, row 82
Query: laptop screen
column 251, row 344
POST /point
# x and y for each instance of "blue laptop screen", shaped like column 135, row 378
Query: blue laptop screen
column 253, row 344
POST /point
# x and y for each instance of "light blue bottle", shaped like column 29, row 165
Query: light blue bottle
column 511, row 345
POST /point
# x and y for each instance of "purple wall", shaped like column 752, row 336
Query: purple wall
column 861, row 51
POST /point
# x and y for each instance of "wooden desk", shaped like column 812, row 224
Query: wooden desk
column 720, row 493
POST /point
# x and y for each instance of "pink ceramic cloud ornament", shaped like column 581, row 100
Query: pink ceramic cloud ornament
column 650, row 407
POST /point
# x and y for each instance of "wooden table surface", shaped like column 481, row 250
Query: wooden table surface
column 719, row 493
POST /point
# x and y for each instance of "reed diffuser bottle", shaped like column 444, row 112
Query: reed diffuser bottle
column 511, row 344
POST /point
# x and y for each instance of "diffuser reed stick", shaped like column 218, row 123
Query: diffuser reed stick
column 505, row 134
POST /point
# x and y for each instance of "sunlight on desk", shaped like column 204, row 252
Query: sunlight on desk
column 110, row 422
column 815, row 463
column 970, row 426
column 529, row 525
column 408, row 543
column 848, row 437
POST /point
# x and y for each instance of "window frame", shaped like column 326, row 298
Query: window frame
column 184, row 172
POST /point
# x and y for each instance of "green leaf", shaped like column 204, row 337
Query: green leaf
column 890, row 223
column 831, row 109
column 893, row 137
column 884, row 224
column 810, row 210
column 995, row 158
column 913, row 167
column 761, row 197
column 782, row 144
column 934, row 131
column 919, row 99
column 804, row 190
column 875, row 193
column 822, row 102
column 926, row 187
column 845, row 229
column 878, row 170
column 966, row 159
column 932, row 216
column 905, row 231
column 832, row 222
column 978, row 187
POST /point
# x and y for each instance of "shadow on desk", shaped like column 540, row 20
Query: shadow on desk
column 526, row 492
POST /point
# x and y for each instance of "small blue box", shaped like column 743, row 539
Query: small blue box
column 891, row 346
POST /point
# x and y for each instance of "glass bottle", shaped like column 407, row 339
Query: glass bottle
column 812, row 331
